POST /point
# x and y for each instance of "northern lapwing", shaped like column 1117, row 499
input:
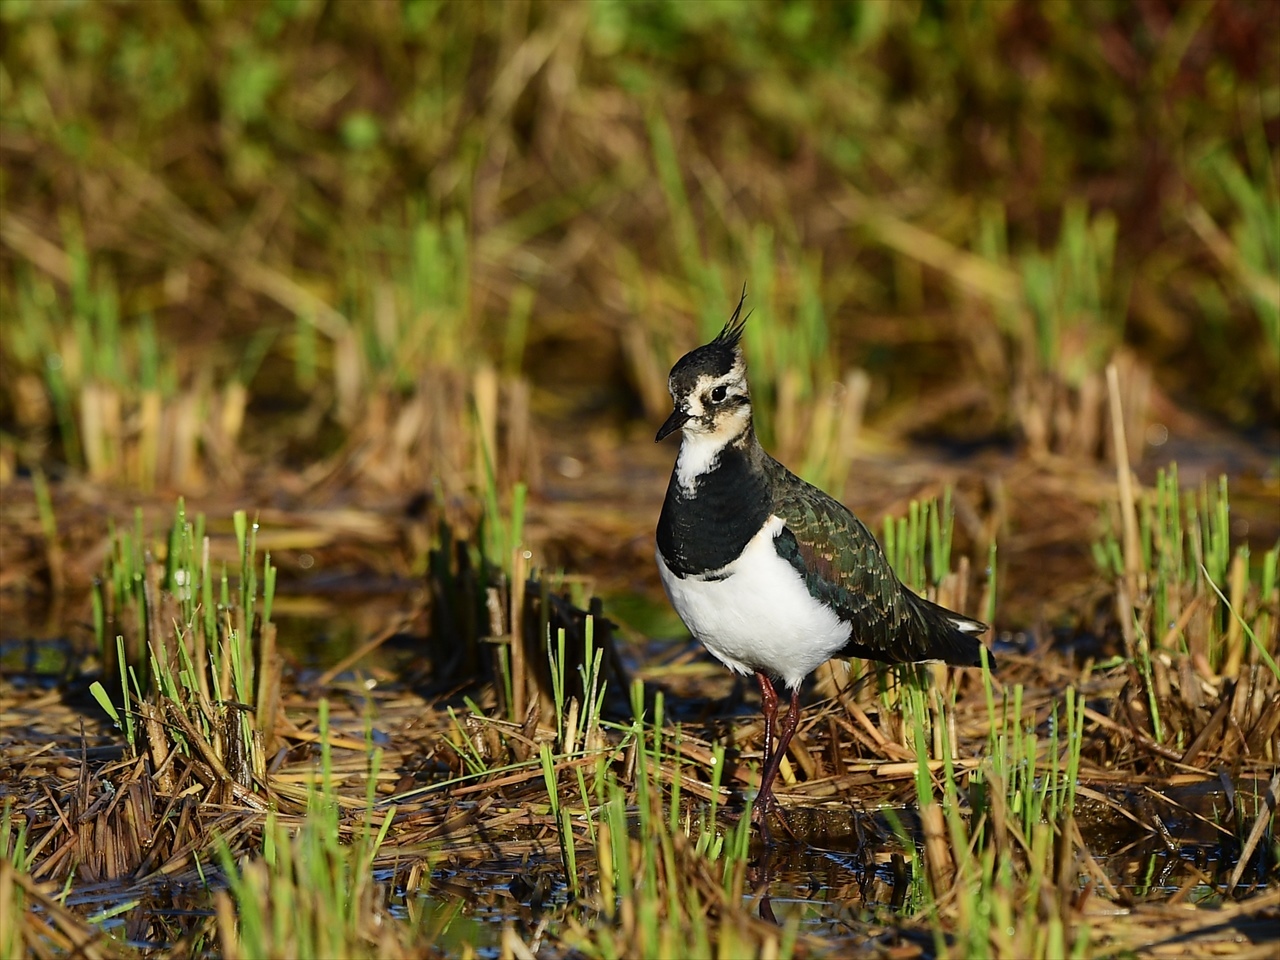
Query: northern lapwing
column 772, row 575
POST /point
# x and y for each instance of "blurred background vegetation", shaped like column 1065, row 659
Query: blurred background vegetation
column 300, row 246
column 366, row 271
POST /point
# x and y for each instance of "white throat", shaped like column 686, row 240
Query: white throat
column 700, row 448
column 698, row 455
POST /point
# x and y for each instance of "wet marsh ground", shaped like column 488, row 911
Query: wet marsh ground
column 334, row 339
column 474, row 853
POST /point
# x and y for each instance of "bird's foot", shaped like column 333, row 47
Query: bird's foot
column 765, row 806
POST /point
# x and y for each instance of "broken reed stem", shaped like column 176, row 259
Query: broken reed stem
column 1126, row 593
column 485, row 384
column 1266, row 816
column 1124, row 477
column 937, row 851
column 268, row 693
column 516, row 634
column 1235, row 645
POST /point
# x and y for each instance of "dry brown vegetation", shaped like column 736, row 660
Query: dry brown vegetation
column 401, row 283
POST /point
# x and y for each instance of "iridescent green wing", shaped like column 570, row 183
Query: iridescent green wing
column 844, row 567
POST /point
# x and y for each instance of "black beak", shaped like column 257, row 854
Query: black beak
column 674, row 422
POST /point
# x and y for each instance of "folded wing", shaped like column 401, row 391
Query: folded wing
column 844, row 567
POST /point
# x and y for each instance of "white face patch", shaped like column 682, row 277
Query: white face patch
column 714, row 422
column 700, row 400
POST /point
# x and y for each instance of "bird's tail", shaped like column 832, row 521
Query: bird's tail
column 953, row 637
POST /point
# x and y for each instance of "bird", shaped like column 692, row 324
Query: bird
column 771, row 574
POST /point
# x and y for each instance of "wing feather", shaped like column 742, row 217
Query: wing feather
column 844, row 567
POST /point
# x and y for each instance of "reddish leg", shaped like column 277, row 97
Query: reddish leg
column 766, row 802
column 769, row 701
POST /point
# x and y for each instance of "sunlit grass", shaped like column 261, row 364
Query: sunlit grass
column 307, row 893
column 13, row 859
column 1195, row 593
column 360, row 248
column 190, row 652
column 653, row 845
column 664, row 885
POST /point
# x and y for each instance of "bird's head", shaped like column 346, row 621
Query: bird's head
column 709, row 387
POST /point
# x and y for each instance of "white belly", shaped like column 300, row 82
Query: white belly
column 758, row 614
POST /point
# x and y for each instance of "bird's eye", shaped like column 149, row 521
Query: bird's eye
column 718, row 394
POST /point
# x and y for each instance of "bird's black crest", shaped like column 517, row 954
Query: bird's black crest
column 732, row 332
column 716, row 357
